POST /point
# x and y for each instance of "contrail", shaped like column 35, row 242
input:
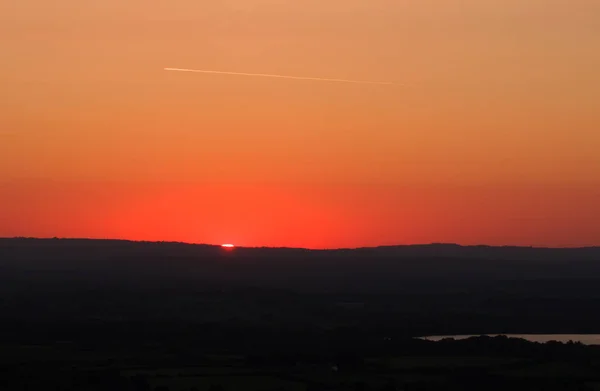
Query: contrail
column 281, row 76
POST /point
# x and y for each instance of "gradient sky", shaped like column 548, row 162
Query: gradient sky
column 494, row 136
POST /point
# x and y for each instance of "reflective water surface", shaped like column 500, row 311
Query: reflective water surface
column 587, row 339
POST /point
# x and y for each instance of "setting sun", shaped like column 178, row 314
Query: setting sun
column 227, row 245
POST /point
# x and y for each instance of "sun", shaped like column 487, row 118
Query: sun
column 227, row 245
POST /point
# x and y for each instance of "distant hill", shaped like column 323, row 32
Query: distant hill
column 436, row 289
column 420, row 250
column 364, row 269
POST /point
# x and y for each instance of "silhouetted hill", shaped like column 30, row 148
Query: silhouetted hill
column 379, row 269
column 412, row 290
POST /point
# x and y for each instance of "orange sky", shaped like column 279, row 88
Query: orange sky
column 492, row 138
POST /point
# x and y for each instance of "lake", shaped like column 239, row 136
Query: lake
column 586, row 339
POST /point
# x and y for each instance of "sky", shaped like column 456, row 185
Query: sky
column 489, row 135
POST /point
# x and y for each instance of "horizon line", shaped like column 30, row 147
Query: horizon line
column 307, row 248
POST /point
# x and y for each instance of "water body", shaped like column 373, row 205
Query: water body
column 586, row 339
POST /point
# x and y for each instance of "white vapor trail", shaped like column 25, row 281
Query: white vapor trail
column 280, row 76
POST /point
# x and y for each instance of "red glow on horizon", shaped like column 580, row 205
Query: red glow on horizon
column 315, row 216
column 227, row 245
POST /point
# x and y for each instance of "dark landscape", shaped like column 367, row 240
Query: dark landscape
column 119, row 315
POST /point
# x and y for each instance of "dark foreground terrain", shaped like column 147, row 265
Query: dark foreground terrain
column 117, row 315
